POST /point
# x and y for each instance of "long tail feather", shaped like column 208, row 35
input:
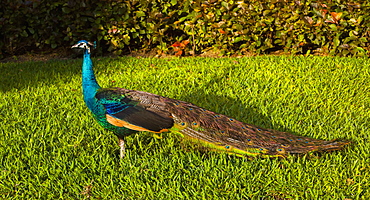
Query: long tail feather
column 221, row 132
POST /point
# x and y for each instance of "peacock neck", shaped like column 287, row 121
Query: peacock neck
column 89, row 84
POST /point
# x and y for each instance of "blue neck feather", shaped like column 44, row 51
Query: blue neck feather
column 89, row 84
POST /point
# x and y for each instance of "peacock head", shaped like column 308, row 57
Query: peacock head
column 85, row 45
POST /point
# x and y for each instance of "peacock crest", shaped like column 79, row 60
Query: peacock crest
column 85, row 45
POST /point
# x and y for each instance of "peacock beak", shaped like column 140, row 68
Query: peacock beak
column 75, row 46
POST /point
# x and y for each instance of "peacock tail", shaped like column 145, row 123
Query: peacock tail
column 126, row 112
column 214, row 130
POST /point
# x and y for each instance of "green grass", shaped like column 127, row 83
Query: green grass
column 50, row 146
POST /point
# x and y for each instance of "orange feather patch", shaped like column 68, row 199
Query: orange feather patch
column 120, row 123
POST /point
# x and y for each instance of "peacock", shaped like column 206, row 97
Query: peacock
column 125, row 112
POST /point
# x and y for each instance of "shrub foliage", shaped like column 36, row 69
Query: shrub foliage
column 329, row 27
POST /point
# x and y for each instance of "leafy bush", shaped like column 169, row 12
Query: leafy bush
column 327, row 27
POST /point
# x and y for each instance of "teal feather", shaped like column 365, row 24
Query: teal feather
column 126, row 111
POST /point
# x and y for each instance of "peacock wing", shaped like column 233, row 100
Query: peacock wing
column 123, row 111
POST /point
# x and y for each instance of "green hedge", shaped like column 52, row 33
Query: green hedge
column 332, row 27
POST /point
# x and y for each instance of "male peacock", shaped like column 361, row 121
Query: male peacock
column 126, row 111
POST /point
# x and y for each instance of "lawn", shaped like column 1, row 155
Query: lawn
column 51, row 147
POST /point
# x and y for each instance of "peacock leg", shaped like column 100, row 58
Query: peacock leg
column 121, row 144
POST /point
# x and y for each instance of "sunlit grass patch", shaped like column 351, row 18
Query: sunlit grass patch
column 50, row 146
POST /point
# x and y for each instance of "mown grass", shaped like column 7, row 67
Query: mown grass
column 50, row 146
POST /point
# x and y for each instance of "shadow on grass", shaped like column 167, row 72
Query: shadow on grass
column 32, row 74
column 232, row 107
column 20, row 75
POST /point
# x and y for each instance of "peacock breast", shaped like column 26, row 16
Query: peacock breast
column 99, row 112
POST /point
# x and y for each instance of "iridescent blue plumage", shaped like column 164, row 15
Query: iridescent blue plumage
column 114, row 108
column 126, row 111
